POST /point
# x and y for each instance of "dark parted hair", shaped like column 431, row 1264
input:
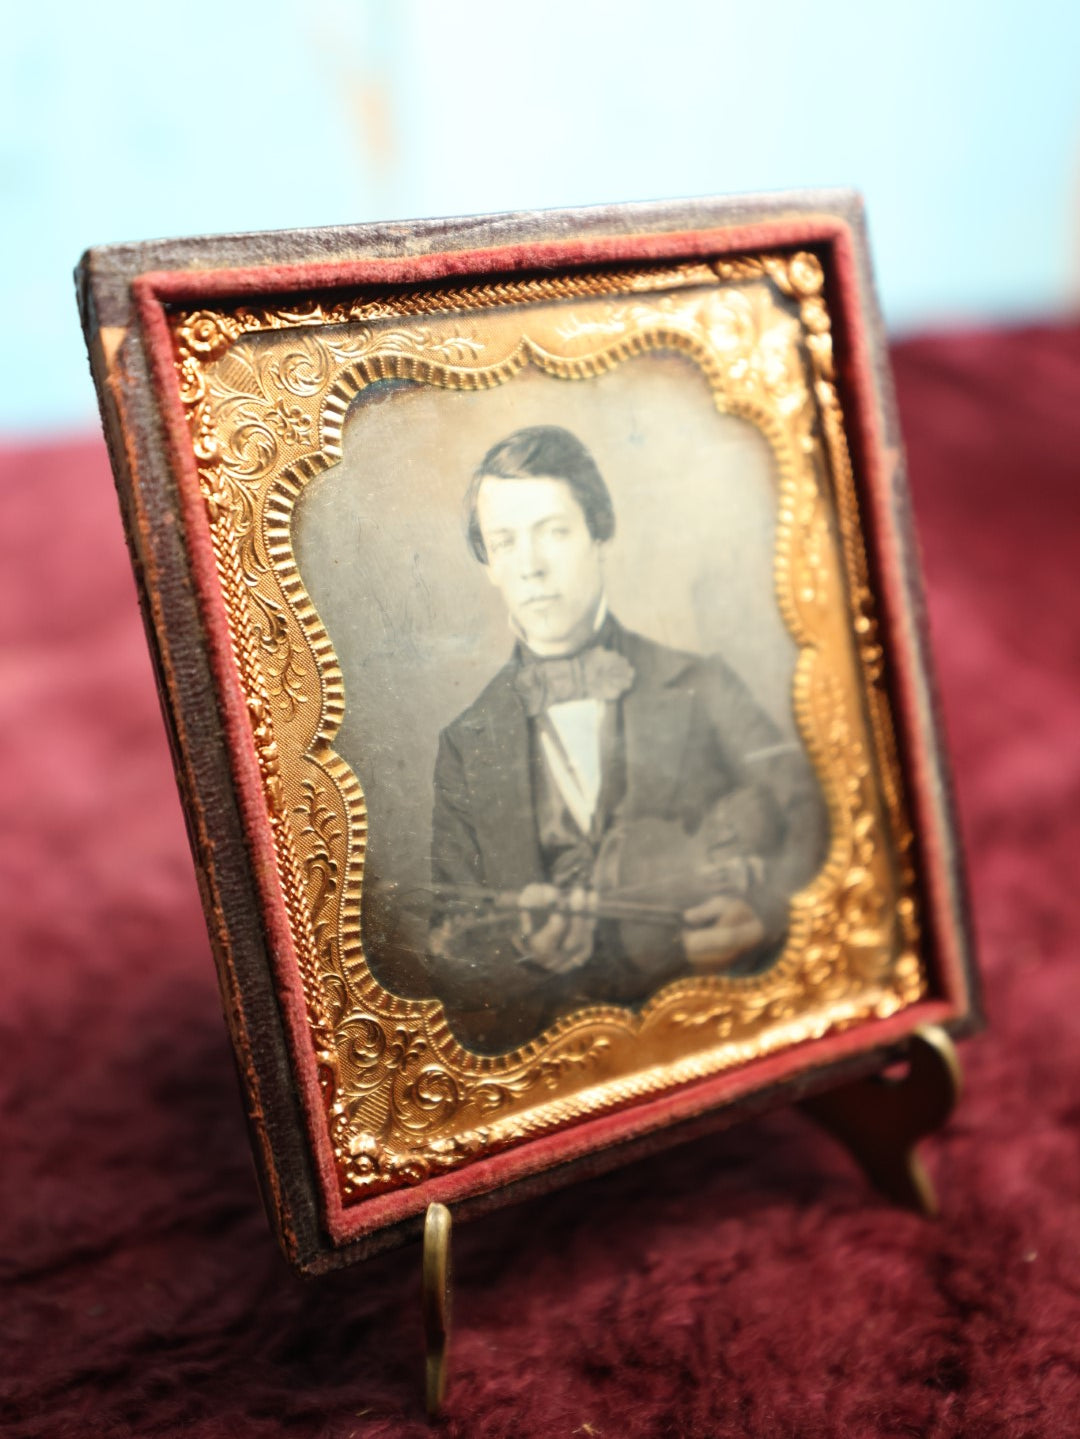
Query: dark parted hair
column 543, row 452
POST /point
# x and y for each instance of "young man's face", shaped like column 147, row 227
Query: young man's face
column 542, row 560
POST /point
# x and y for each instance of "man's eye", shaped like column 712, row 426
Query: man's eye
column 497, row 546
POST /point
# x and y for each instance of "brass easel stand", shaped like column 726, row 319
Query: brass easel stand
column 436, row 1281
column 879, row 1120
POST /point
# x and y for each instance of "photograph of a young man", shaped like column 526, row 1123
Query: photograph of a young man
column 610, row 813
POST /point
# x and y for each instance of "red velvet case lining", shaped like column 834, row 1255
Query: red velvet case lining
column 153, row 291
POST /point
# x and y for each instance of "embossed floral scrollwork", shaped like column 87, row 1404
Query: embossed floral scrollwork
column 304, row 370
column 370, row 1163
column 755, row 345
column 318, row 832
column 289, row 422
column 361, row 1046
column 426, row 1098
column 254, row 444
column 206, row 333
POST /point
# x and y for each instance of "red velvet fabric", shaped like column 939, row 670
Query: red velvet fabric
column 748, row 1285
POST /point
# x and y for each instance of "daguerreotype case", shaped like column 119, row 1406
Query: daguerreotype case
column 534, row 606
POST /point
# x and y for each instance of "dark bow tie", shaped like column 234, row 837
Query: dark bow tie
column 596, row 673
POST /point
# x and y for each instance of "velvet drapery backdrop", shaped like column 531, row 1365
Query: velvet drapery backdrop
column 747, row 1285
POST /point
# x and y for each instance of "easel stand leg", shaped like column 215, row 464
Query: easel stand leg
column 436, row 1283
column 880, row 1120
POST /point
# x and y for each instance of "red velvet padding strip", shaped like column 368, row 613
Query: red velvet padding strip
column 180, row 287
column 153, row 291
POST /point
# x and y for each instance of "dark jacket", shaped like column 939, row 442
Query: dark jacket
column 691, row 734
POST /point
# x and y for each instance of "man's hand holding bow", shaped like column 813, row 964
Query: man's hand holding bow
column 719, row 930
column 557, row 927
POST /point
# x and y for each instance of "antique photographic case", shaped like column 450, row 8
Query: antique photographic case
column 536, row 615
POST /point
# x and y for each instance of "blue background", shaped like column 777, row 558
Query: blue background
column 959, row 122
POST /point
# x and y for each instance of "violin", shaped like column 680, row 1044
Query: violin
column 647, row 873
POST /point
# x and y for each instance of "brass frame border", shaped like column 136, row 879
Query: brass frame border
column 396, row 1041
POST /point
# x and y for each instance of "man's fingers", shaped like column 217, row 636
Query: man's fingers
column 550, row 933
column 719, row 909
column 579, row 937
column 552, row 938
column 715, row 945
column 582, row 900
column 538, row 896
column 718, row 944
column 573, row 947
